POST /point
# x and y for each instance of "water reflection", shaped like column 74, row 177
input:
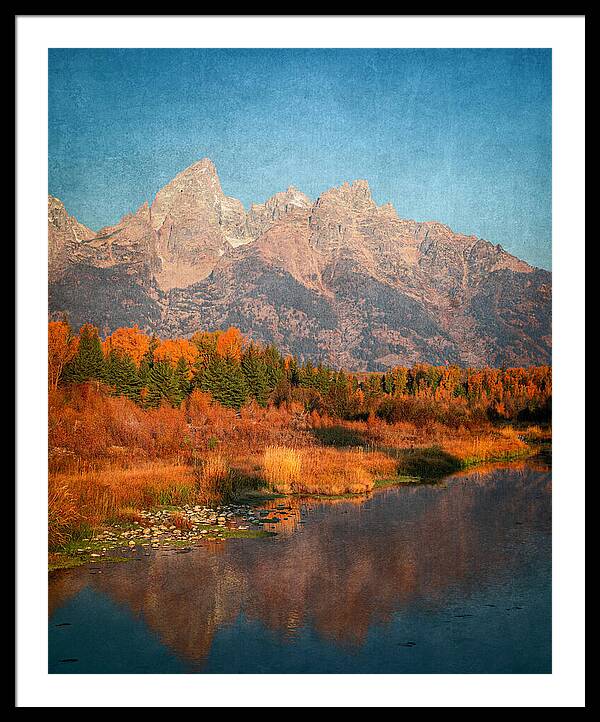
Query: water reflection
column 340, row 578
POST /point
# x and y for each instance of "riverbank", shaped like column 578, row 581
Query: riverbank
column 175, row 522
column 174, row 528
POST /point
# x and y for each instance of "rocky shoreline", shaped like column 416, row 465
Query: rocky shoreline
column 172, row 527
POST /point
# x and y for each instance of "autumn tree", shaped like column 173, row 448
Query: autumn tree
column 230, row 344
column 62, row 347
column 129, row 341
column 224, row 364
column 292, row 370
column 172, row 350
column 387, row 383
column 399, row 380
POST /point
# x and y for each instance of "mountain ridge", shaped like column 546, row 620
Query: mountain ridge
column 339, row 278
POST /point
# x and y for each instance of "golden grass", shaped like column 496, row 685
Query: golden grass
column 180, row 521
column 213, row 480
column 63, row 514
column 282, row 468
column 496, row 444
column 94, row 497
column 320, row 470
column 538, row 434
column 128, row 514
column 86, row 492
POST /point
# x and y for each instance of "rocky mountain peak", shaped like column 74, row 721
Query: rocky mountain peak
column 196, row 189
column 262, row 216
column 281, row 203
column 203, row 164
column 355, row 196
column 65, row 236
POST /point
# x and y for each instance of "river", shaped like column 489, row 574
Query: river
column 447, row 578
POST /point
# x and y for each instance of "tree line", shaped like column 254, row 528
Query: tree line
column 236, row 371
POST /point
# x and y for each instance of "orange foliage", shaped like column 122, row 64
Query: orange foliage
column 88, row 424
column 63, row 514
column 172, row 350
column 213, row 479
column 329, row 433
column 62, row 347
column 230, row 343
column 109, row 456
column 205, row 415
column 129, row 341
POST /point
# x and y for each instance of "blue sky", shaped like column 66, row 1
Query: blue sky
column 459, row 136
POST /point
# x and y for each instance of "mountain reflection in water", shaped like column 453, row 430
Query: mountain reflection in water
column 453, row 577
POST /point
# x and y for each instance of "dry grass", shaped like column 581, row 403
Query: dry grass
column 63, row 514
column 94, row 495
column 108, row 494
column 282, row 468
column 336, row 471
column 467, row 445
column 213, row 479
column 109, row 458
column 502, row 443
column 537, row 434
column 128, row 514
column 180, row 521
column 318, row 470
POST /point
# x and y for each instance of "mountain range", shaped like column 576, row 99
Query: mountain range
column 338, row 279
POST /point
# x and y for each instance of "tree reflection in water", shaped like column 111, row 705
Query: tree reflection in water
column 339, row 567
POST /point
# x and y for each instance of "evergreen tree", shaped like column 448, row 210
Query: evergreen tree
column 110, row 368
column 224, row 380
column 121, row 374
column 293, row 372
column 148, row 360
column 182, row 377
column 341, row 380
column 162, row 385
column 255, row 371
column 306, row 375
column 337, row 399
column 274, row 365
column 88, row 363
column 207, row 351
column 322, row 379
column 373, row 385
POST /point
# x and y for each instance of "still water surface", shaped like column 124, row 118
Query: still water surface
column 448, row 578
